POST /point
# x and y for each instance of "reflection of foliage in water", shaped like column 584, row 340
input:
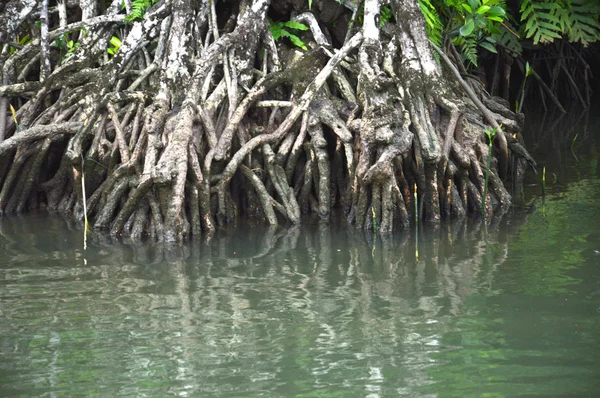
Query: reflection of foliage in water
column 542, row 329
column 514, row 346
column 550, row 247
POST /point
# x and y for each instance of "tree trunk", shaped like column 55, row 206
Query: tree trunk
column 198, row 116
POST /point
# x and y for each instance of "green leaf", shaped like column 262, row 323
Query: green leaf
column 583, row 21
column 115, row 41
column 276, row 32
column 488, row 46
column 528, row 69
column 469, row 51
column 497, row 11
column 509, row 41
column 480, row 22
column 24, row 40
column 467, row 28
column 296, row 40
column 543, row 20
column 483, row 9
column 474, row 4
column 434, row 26
column 467, row 7
column 295, row 25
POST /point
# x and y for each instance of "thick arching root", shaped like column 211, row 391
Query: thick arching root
column 172, row 143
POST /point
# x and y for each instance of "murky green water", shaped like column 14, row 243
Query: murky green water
column 318, row 312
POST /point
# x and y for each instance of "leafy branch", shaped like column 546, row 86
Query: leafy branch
column 139, row 8
column 546, row 21
column 116, row 45
column 66, row 46
column 286, row 29
column 474, row 24
column 433, row 21
column 541, row 21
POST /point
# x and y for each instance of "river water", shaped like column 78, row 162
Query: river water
column 508, row 310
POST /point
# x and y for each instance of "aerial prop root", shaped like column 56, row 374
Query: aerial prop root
column 295, row 112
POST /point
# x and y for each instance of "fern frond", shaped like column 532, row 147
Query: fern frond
column 469, row 50
column 542, row 20
column 508, row 40
column 433, row 25
column 138, row 9
column 583, row 17
column 547, row 20
column 279, row 29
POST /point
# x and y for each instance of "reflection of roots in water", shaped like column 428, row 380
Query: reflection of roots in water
column 320, row 289
column 326, row 266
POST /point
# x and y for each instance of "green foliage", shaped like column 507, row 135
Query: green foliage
column 544, row 21
column 541, row 21
column 385, row 15
column 286, row 29
column 474, row 24
column 21, row 41
column 14, row 115
column 138, row 8
column 71, row 47
column 66, row 46
column 471, row 24
column 507, row 39
column 583, row 16
column 116, row 45
column 528, row 72
column 24, row 40
column 468, row 49
column 433, row 22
